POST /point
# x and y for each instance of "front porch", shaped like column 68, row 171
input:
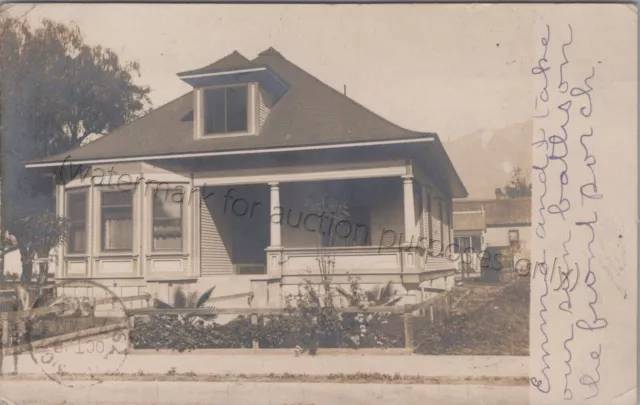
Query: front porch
column 261, row 230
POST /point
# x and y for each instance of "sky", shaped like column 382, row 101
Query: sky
column 450, row 69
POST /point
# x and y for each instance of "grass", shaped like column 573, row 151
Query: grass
column 357, row 378
column 487, row 320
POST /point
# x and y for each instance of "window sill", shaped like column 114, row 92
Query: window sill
column 169, row 278
column 226, row 135
column 104, row 255
column 167, row 254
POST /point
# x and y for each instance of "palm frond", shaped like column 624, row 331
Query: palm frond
column 344, row 293
column 179, row 298
column 205, row 297
column 386, row 292
column 392, row 301
column 162, row 305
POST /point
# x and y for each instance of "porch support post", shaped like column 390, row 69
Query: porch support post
column 274, row 251
column 409, row 210
column 274, row 226
column 408, row 247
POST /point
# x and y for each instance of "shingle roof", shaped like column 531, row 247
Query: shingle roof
column 310, row 113
column 233, row 61
column 468, row 221
column 498, row 212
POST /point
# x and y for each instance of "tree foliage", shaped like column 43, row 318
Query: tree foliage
column 517, row 187
column 56, row 92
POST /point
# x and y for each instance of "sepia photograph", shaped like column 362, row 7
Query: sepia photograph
column 297, row 204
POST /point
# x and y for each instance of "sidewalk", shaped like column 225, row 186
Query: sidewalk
column 196, row 393
column 202, row 363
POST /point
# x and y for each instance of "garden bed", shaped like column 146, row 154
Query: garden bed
column 271, row 332
column 484, row 320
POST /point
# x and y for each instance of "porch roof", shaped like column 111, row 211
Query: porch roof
column 311, row 114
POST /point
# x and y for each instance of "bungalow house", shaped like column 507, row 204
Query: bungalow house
column 248, row 183
column 486, row 228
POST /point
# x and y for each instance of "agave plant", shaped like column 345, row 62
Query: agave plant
column 190, row 300
column 376, row 296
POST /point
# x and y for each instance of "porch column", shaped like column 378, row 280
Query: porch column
column 409, row 210
column 274, row 251
column 275, row 239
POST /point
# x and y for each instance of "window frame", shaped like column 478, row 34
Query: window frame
column 100, row 233
column 517, row 233
column 201, row 111
column 183, row 228
column 68, row 194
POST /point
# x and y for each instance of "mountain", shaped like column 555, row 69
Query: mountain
column 484, row 159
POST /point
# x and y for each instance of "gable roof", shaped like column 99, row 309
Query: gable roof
column 310, row 113
column 498, row 212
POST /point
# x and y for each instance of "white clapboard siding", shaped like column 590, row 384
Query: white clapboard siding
column 214, row 256
column 425, row 216
column 435, row 223
column 439, row 263
column 446, row 227
column 264, row 109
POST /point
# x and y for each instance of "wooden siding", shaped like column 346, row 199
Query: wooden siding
column 439, row 263
column 446, row 218
column 263, row 106
column 214, row 255
column 435, row 224
column 425, row 216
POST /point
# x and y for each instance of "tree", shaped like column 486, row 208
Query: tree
column 56, row 92
column 517, row 187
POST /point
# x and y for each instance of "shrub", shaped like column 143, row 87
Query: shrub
column 311, row 321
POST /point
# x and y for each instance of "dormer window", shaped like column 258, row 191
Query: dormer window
column 227, row 110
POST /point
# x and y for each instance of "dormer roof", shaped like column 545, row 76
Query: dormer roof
column 234, row 61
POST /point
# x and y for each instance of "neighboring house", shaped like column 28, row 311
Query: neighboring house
column 495, row 226
column 235, row 184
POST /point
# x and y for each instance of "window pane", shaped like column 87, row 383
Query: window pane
column 475, row 243
column 167, row 222
column 237, row 109
column 214, row 111
column 76, row 206
column 117, row 220
column 76, row 212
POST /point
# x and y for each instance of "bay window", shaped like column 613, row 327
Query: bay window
column 116, row 220
column 167, row 220
column 76, row 212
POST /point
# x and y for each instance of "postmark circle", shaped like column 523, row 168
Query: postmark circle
column 65, row 335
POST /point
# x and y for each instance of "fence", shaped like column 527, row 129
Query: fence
column 425, row 308
column 14, row 324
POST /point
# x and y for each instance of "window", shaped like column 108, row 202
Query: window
column 514, row 235
column 77, row 215
column 167, row 220
column 226, row 110
column 116, row 220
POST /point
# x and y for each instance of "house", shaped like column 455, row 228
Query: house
column 244, row 182
column 491, row 227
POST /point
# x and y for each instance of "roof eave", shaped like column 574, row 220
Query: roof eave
column 70, row 160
